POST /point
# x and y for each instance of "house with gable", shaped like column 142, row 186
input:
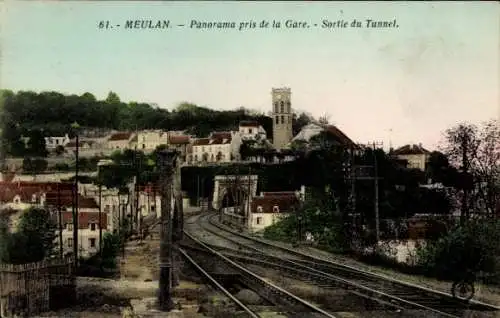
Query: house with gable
column 218, row 147
column 415, row 156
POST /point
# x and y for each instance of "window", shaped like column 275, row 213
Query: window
column 282, row 119
column 289, row 107
column 69, row 226
column 92, row 226
column 70, row 242
column 259, row 209
column 277, row 119
column 152, row 208
column 106, row 208
column 249, row 130
column 276, row 107
column 282, row 106
column 276, row 209
column 92, row 242
column 259, row 220
column 143, row 146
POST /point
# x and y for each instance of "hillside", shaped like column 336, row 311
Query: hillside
column 25, row 112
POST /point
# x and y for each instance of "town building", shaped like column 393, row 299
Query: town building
column 122, row 141
column 88, row 227
column 149, row 140
column 271, row 207
column 334, row 134
column 282, row 117
column 416, row 156
column 219, row 147
column 51, row 143
column 252, row 130
column 182, row 144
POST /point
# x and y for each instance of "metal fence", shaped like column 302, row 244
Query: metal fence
column 29, row 289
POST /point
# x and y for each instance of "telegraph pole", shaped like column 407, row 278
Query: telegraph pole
column 75, row 126
column 59, row 212
column 166, row 159
column 100, row 219
column 375, row 178
column 377, row 221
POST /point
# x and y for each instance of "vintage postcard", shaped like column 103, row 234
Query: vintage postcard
column 249, row 159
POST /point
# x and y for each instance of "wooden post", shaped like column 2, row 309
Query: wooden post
column 165, row 163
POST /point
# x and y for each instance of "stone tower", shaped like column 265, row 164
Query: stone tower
column 282, row 117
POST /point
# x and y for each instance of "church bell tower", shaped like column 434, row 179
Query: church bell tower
column 282, row 117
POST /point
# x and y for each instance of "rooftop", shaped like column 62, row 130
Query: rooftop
column 411, row 150
column 120, row 136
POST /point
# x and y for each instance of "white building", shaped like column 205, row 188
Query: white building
column 122, row 141
column 252, row 130
column 51, row 143
column 149, row 140
column 219, row 147
column 88, row 227
column 416, row 156
column 270, row 207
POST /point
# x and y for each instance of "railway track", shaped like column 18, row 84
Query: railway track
column 202, row 256
column 328, row 274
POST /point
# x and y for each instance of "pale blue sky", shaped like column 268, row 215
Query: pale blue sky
column 441, row 65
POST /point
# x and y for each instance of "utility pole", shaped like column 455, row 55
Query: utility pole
column 59, row 212
column 465, row 210
column 377, row 221
column 100, row 220
column 178, row 207
column 75, row 193
column 198, row 190
column 166, row 159
column 375, row 179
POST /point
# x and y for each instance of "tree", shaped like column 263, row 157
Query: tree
column 59, row 150
column 475, row 151
column 36, row 144
column 34, row 165
column 34, row 239
column 113, row 98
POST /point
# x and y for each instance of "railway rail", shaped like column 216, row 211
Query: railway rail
column 201, row 255
column 327, row 273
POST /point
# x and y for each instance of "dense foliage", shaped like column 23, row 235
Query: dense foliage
column 472, row 246
column 31, row 242
column 35, row 115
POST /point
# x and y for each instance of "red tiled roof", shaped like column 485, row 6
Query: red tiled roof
column 7, row 194
column 149, row 189
column 178, row 140
column 120, row 136
column 84, row 219
column 201, row 141
column 249, row 123
column 411, row 150
column 339, row 135
column 284, row 203
column 220, row 141
column 221, row 135
column 8, row 190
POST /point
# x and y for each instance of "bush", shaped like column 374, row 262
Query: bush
column 471, row 247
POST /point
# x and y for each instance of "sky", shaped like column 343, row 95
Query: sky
column 402, row 85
